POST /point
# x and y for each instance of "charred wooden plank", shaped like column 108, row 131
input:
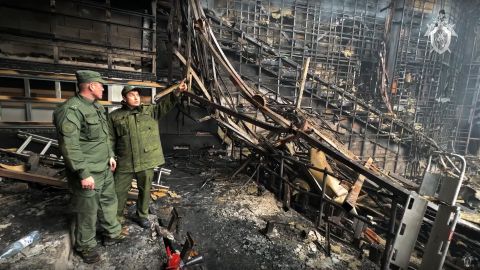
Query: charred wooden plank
column 352, row 196
column 34, row 178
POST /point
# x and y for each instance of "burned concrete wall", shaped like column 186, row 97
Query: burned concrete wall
column 84, row 34
column 44, row 42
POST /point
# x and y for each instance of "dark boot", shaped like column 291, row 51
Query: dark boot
column 89, row 255
column 108, row 241
column 142, row 222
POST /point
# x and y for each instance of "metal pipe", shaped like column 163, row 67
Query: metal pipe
column 37, row 138
column 24, row 145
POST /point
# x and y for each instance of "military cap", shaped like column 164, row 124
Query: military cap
column 129, row 88
column 86, row 76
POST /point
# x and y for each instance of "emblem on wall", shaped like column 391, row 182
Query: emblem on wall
column 440, row 33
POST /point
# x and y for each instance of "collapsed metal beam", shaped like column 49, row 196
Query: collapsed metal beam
column 237, row 115
column 340, row 153
column 289, row 131
column 351, row 96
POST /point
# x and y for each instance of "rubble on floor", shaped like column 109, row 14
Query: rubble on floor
column 46, row 209
column 226, row 218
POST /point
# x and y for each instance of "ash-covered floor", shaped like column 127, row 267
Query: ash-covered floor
column 224, row 216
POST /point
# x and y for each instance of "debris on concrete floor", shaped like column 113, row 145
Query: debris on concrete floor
column 225, row 218
column 46, row 210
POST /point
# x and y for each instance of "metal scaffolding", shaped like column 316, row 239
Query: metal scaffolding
column 345, row 41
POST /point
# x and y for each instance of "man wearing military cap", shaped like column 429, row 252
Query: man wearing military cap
column 136, row 142
column 82, row 129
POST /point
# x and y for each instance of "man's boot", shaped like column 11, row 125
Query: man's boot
column 108, row 241
column 89, row 255
column 142, row 222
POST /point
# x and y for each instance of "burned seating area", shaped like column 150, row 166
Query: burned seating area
column 313, row 134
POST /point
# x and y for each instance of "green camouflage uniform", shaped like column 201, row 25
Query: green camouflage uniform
column 136, row 142
column 82, row 129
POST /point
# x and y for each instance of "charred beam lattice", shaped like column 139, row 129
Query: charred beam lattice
column 297, row 151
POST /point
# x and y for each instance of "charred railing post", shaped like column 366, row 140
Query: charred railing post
column 286, row 196
column 317, row 219
column 327, row 233
column 322, row 197
column 257, row 178
column 271, row 183
column 390, row 235
column 280, row 189
column 327, row 239
column 304, row 201
column 241, row 151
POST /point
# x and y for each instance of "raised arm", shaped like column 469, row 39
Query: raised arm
column 167, row 102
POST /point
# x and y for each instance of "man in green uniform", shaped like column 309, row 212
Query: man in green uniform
column 82, row 129
column 136, row 142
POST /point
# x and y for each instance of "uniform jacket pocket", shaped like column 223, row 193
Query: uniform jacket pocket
column 121, row 128
column 93, row 127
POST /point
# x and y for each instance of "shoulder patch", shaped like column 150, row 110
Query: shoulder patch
column 68, row 127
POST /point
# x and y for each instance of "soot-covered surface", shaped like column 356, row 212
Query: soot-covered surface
column 224, row 216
